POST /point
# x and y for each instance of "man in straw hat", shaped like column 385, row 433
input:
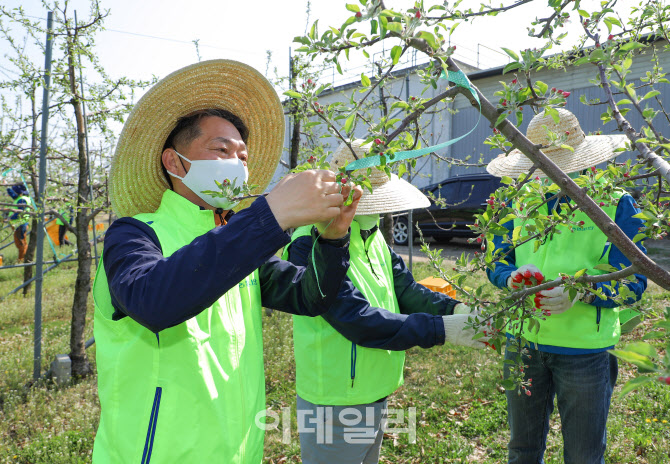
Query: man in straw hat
column 351, row 359
column 178, row 299
column 567, row 357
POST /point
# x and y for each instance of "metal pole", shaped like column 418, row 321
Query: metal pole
column 410, row 216
column 37, row 346
column 88, row 156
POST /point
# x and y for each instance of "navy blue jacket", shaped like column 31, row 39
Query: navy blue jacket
column 353, row 317
column 160, row 292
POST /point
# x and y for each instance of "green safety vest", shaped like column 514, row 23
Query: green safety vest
column 190, row 393
column 332, row 370
column 582, row 326
column 65, row 212
column 22, row 218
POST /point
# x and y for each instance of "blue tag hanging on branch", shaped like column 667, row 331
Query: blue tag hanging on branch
column 458, row 78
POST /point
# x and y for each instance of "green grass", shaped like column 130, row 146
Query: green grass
column 460, row 410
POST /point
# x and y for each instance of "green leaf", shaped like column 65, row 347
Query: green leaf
column 654, row 335
column 644, row 349
column 365, row 80
column 511, row 53
column 605, row 267
column 568, row 147
column 349, row 123
column 582, row 60
column 634, row 384
column 352, row 8
column 430, row 38
column 553, row 113
column 541, row 86
column 651, row 94
column 396, row 51
column 507, row 180
column 580, row 273
column 402, row 169
column 511, row 67
column 394, row 27
column 313, row 30
column 630, row 46
column 597, row 55
column 500, row 119
column 634, row 358
column 625, row 101
column 583, row 13
column 639, row 237
column 292, row 94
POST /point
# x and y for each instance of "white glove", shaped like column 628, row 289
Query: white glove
column 462, row 308
column 555, row 300
column 523, row 274
column 456, row 333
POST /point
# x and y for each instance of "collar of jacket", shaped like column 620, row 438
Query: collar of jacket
column 185, row 212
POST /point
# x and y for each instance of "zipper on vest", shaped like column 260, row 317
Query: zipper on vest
column 353, row 363
column 151, row 431
column 598, row 318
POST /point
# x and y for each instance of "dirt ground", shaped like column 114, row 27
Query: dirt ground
column 658, row 250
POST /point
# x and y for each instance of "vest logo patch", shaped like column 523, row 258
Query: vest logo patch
column 250, row 282
column 582, row 229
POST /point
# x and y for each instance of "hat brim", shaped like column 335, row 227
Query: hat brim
column 136, row 178
column 595, row 149
column 393, row 196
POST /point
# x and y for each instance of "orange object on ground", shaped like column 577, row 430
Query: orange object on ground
column 437, row 284
column 52, row 230
column 98, row 227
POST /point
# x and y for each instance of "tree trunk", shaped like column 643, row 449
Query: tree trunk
column 80, row 364
column 387, row 227
column 32, row 238
column 295, row 141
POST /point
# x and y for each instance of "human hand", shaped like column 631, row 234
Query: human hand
column 457, row 333
column 555, row 300
column 339, row 226
column 524, row 276
column 462, row 308
column 306, row 198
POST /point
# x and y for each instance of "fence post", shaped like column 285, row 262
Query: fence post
column 37, row 346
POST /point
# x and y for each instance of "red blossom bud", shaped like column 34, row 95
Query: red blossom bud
column 528, row 393
column 309, row 81
column 378, row 142
column 418, row 14
column 626, row 174
column 593, row 169
column 514, row 81
column 504, row 103
column 566, row 94
column 567, row 132
column 602, row 203
column 553, row 89
column 581, row 223
column 358, row 14
column 610, row 37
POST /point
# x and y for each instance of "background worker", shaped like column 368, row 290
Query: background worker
column 19, row 219
column 567, row 357
column 349, row 360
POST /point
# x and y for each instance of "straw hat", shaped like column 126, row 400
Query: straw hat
column 388, row 195
column 589, row 150
column 136, row 178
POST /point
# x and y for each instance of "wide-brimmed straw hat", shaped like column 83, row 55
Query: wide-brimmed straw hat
column 136, row 178
column 388, row 194
column 589, row 150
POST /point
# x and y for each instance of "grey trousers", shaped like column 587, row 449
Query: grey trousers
column 341, row 434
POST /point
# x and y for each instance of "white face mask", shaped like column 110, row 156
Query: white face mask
column 203, row 174
column 367, row 221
